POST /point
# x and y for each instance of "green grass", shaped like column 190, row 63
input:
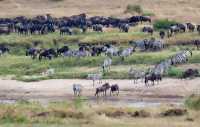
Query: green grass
column 26, row 69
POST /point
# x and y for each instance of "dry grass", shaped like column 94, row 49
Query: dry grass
column 182, row 10
column 62, row 114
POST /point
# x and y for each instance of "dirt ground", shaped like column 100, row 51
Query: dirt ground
column 168, row 91
column 181, row 10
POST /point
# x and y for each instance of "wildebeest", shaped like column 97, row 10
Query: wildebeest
column 162, row 34
column 77, row 88
column 152, row 77
column 124, row 28
column 190, row 73
column 148, row 30
column 3, row 49
column 198, row 29
column 65, row 30
column 97, row 28
column 114, row 88
column 48, row 53
column 32, row 52
column 190, row 27
column 62, row 50
column 4, row 29
column 197, row 43
column 103, row 89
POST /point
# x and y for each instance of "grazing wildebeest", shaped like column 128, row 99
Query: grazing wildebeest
column 48, row 53
column 65, row 30
column 3, row 49
column 190, row 73
column 62, row 50
column 152, row 77
column 190, row 27
column 114, row 88
column 103, row 89
column 198, row 29
column 4, row 29
column 148, row 30
column 77, row 88
column 162, row 34
column 124, row 28
column 97, row 28
column 32, row 52
column 197, row 43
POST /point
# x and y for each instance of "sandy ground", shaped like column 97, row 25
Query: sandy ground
column 169, row 90
column 181, row 10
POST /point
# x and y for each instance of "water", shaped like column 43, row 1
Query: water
column 119, row 103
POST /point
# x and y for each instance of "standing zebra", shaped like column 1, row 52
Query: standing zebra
column 106, row 64
column 181, row 57
column 77, row 88
column 95, row 77
column 126, row 52
column 136, row 74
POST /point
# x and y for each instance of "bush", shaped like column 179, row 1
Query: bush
column 193, row 102
column 175, row 72
column 163, row 24
column 148, row 14
column 134, row 8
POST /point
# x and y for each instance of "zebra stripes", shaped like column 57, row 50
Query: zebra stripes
column 94, row 77
column 179, row 58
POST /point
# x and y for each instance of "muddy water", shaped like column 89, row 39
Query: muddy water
column 114, row 103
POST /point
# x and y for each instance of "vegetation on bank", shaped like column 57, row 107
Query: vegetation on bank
column 78, row 113
column 193, row 101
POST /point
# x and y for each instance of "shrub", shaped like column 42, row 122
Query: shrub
column 134, row 8
column 175, row 72
column 163, row 24
column 148, row 14
column 193, row 102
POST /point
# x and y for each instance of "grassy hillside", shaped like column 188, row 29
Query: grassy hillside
column 181, row 10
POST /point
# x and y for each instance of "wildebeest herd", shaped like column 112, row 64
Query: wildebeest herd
column 47, row 24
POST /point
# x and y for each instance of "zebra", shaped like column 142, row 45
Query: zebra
column 77, row 88
column 106, row 64
column 181, row 57
column 112, row 51
column 126, row 52
column 136, row 74
column 94, row 77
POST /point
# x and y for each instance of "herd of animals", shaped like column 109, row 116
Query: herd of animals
column 48, row 24
column 44, row 24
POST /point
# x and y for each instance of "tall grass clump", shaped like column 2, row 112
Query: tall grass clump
column 193, row 102
column 175, row 72
column 133, row 9
column 163, row 24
